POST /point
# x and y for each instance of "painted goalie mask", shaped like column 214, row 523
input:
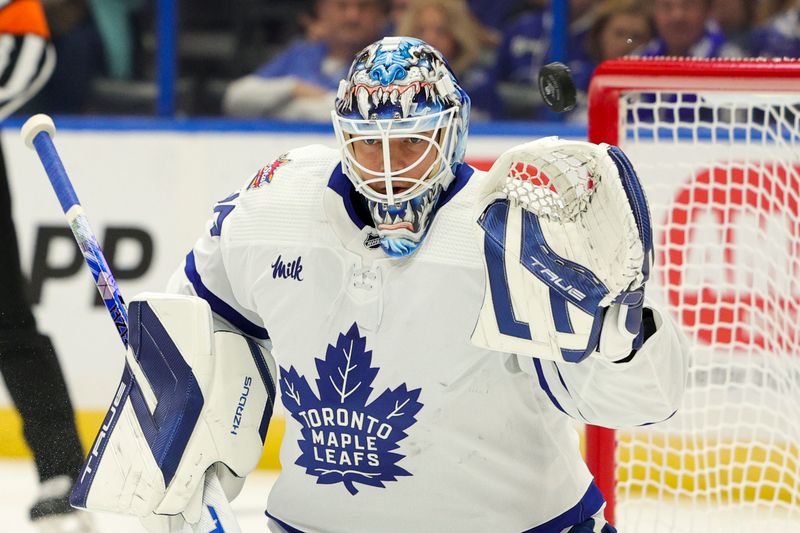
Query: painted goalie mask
column 401, row 121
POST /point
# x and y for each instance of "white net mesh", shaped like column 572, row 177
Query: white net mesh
column 722, row 173
column 554, row 184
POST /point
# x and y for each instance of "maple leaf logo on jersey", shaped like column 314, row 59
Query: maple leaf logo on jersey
column 345, row 440
column 266, row 174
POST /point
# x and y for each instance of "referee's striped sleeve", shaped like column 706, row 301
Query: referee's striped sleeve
column 26, row 63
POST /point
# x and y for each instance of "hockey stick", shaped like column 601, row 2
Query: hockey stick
column 37, row 132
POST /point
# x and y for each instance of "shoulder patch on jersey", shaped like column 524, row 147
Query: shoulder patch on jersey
column 266, row 174
column 344, row 439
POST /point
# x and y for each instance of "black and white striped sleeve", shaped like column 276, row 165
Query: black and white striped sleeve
column 26, row 63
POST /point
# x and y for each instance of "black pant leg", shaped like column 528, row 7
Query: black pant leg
column 15, row 311
column 28, row 363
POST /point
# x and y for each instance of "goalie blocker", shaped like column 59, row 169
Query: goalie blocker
column 565, row 232
column 190, row 399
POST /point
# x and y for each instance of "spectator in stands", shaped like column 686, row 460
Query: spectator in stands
column 397, row 8
column 526, row 46
column 685, row 29
column 736, row 19
column 780, row 36
column 116, row 29
column 449, row 26
column 495, row 14
column 620, row 27
column 767, row 9
column 301, row 82
column 80, row 51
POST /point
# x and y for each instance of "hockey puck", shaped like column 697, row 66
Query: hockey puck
column 557, row 87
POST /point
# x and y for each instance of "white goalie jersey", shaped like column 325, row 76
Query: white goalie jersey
column 395, row 420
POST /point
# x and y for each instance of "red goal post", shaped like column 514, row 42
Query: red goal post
column 716, row 143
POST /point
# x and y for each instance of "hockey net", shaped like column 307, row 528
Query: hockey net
column 716, row 144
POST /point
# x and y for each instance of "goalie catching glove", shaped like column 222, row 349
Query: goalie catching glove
column 190, row 401
column 566, row 238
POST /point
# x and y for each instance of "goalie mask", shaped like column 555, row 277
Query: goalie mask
column 401, row 121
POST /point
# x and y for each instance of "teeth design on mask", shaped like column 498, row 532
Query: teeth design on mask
column 362, row 97
column 405, row 102
column 376, row 213
column 402, row 94
column 427, row 205
column 416, row 213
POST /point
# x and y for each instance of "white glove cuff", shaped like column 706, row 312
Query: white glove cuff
column 616, row 341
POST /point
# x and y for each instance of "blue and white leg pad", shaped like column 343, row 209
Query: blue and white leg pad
column 189, row 398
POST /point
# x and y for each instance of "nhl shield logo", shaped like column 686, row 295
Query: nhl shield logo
column 373, row 240
column 346, row 438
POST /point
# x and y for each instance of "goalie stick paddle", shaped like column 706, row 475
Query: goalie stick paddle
column 38, row 132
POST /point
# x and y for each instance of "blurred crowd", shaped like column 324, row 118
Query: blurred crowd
column 283, row 58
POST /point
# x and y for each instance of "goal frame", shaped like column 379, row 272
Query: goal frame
column 609, row 82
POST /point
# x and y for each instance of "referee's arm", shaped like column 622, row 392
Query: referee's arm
column 27, row 57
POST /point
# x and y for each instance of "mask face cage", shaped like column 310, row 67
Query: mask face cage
column 437, row 130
